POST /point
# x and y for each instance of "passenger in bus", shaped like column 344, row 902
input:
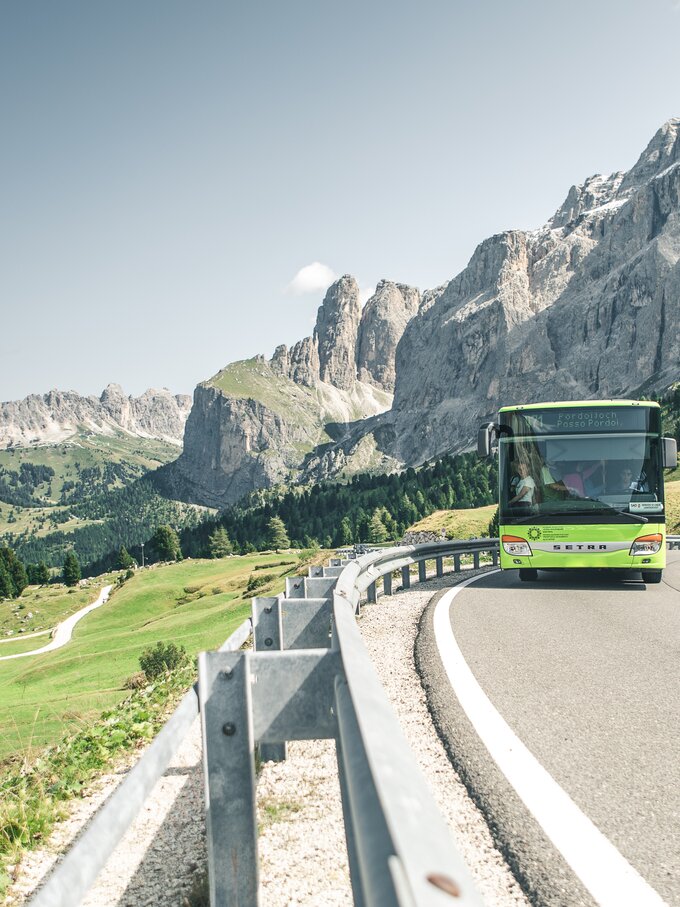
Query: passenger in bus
column 626, row 482
column 526, row 487
column 583, row 481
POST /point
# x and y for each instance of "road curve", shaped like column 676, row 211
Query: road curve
column 64, row 630
column 583, row 669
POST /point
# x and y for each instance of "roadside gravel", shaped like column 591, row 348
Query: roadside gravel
column 302, row 848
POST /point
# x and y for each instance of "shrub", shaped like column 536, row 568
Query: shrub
column 162, row 659
column 136, row 681
column 255, row 582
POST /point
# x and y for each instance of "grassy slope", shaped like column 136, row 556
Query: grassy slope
column 195, row 603
column 141, row 455
column 48, row 605
column 458, row 524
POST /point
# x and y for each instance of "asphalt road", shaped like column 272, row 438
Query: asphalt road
column 586, row 671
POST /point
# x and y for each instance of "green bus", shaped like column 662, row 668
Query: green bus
column 581, row 485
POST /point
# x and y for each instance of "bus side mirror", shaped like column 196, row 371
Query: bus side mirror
column 669, row 453
column 484, row 437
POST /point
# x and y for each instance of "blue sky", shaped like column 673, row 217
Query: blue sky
column 167, row 168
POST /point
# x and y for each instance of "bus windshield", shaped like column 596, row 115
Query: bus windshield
column 577, row 473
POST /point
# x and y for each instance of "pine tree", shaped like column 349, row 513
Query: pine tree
column 219, row 543
column 376, row 531
column 19, row 576
column 165, row 542
column 345, row 533
column 43, row 573
column 7, row 589
column 125, row 560
column 277, row 537
column 71, row 569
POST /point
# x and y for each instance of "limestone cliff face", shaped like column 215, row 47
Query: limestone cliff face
column 588, row 306
column 383, row 322
column 258, row 423
column 58, row 415
column 235, row 445
column 337, row 326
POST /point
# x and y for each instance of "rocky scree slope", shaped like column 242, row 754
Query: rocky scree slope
column 57, row 416
column 586, row 306
column 255, row 423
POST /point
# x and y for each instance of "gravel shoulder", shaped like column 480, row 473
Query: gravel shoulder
column 302, row 847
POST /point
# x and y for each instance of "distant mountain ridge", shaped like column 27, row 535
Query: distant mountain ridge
column 55, row 417
column 586, row 306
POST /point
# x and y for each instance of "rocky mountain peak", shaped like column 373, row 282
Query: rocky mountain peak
column 335, row 334
column 112, row 392
column 662, row 152
column 383, row 322
column 590, row 195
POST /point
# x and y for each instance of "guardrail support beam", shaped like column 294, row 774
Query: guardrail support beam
column 387, row 584
column 371, row 593
column 267, row 637
column 494, row 557
column 456, row 563
column 422, row 571
column 440, row 566
column 405, row 577
column 475, row 559
column 229, row 766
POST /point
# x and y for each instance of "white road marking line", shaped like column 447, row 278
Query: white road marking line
column 603, row 871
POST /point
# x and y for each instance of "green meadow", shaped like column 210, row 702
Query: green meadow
column 196, row 604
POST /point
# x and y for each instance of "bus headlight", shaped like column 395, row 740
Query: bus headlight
column 513, row 544
column 647, row 544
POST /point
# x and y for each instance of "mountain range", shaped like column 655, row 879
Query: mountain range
column 56, row 417
column 586, row 306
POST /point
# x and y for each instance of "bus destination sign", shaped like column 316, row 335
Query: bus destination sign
column 585, row 419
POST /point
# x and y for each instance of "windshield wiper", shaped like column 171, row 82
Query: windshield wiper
column 532, row 517
column 607, row 508
column 566, row 514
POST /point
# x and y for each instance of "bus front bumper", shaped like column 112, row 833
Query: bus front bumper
column 579, row 547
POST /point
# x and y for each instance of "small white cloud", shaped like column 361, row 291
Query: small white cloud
column 365, row 294
column 311, row 279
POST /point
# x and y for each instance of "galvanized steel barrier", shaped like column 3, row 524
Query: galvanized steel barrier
column 307, row 677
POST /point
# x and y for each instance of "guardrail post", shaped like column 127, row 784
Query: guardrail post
column 494, row 557
column 440, row 566
column 422, row 571
column 371, row 593
column 267, row 636
column 456, row 563
column 406, row 577
column 475, row 559
column 229, row 766
column 387, row 584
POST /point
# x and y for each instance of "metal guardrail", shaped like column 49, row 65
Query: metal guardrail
column 320, row 684
column 75, row 874
column 308, row 677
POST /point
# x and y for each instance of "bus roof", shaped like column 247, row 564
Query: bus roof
column 579, row 403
